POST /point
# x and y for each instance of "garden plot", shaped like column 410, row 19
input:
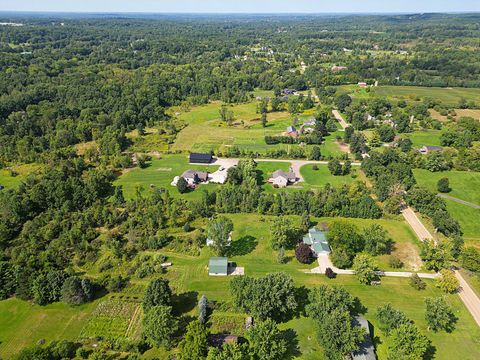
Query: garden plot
column 114, row 318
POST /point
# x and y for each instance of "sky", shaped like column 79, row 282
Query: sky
column 243, row 6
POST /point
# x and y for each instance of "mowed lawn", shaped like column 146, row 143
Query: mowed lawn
column 23, row 324
column 322, row 176
column 465, row 186
column 160, row 174
column 206, row 132
column 251, row 248
column 421, row 138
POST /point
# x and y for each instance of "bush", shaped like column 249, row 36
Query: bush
column 303, row 253
column 447, row 281
column 314, row 167
column 416, row 282
column 76, row 291
column 470, row 259
column 443, row 185
column 182, row 185
column 395, row 262
column 329, row 273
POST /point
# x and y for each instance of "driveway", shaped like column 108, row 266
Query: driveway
column 460, row 201
column 340, row 119
column 417, row 226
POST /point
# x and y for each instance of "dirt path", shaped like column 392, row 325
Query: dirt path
column 417, row 226
column 460, row 201
column 340, row 119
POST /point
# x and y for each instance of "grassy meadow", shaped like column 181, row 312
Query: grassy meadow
column 14, row 175
column 464, row 186
column 205, row 130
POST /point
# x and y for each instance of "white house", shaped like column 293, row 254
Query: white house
column 282, row 178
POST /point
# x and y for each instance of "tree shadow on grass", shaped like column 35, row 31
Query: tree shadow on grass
column 243, row 246
column 293, row 349
column 184, row 302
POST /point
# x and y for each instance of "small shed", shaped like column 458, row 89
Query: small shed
column 200, row 158
column 218, row 266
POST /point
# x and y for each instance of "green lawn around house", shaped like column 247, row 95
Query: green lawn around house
column 251, row 248
column 160, row 174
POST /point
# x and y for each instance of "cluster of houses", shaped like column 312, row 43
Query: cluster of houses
column 194, row 177
column 305, row 128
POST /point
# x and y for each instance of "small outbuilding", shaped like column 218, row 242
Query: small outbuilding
column 200, row 158
column 218, row 266
column 318, row 242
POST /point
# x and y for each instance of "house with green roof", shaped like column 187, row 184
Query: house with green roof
column 318, row 241
column 218, row 266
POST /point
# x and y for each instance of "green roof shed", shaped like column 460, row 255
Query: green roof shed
column 218, row 266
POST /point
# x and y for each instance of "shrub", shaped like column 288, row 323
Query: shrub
column 329, row 273
column 303, row 253
column 182, row 185
column 447, row 281
column 395, row 262
column 443, row 185
column 416, row 282
column 470, row 259
column 315, row 167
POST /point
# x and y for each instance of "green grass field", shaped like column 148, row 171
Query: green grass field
column 448, row 96
column 424, row 137
column 159, row 174
column 464, row 186
column 319, row 178
column 206, row 132
column 23, row 324
column 250, row 249
column 22, row 171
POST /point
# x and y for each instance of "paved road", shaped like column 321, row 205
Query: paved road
column 467, row 295
column 417, row 226
column 340, row 119
column 460, row 201
column 469, row 298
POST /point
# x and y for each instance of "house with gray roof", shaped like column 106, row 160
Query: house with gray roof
column 193, row 177
column 282, row 178
column 428, row 149
column 318, row 242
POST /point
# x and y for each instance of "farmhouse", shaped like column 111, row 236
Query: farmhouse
column 193, row 177
column 362, row 84
column 429, row 149
column 218, row 266
column 282, row 178
column 366, row 351
column 317, row 241
column 200, row 158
